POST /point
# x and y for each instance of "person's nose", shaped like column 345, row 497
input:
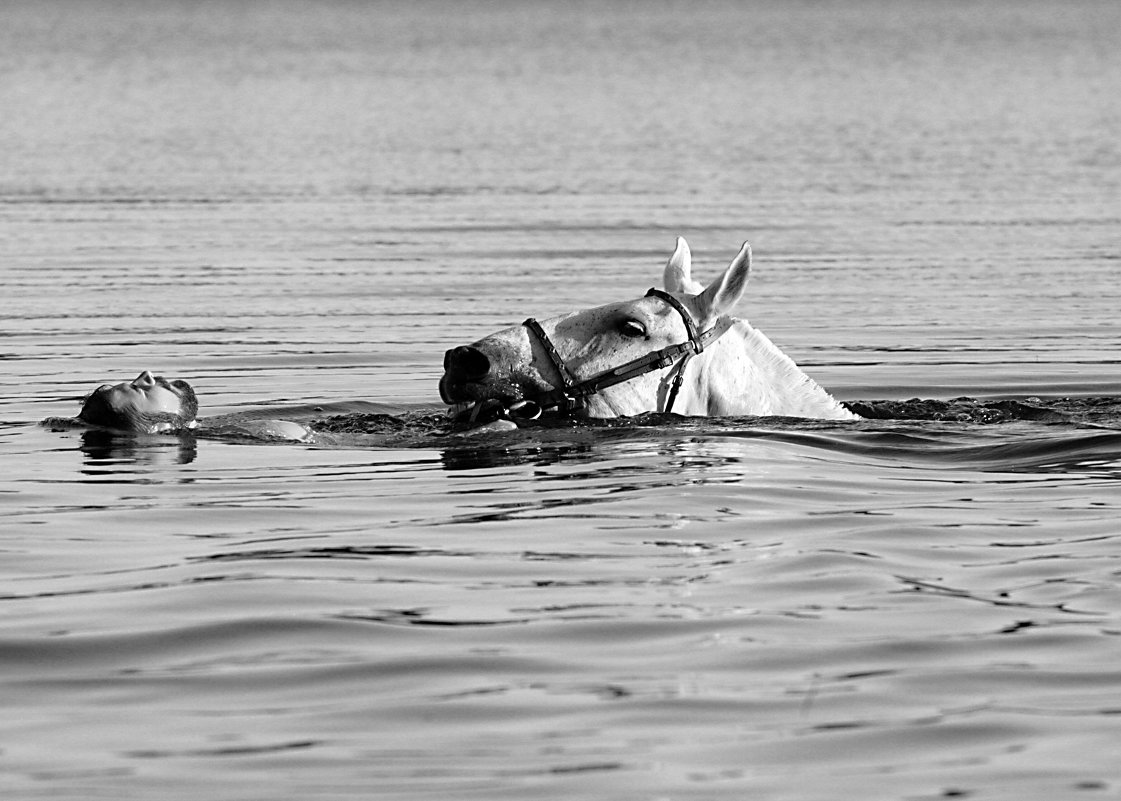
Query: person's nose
column 144, row 381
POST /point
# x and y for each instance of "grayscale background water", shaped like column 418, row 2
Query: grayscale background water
column 305, row 203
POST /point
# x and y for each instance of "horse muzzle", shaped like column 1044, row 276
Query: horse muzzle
column 466, row 369
column 477, row 395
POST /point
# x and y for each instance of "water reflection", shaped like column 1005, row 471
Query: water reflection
column 105, row 450
column 482, row 457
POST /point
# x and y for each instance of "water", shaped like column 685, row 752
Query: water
column 300, row 206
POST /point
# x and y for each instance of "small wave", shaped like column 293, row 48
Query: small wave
column 375, row 423
column 1103, row 411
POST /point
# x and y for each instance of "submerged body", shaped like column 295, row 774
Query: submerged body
column 674, row 350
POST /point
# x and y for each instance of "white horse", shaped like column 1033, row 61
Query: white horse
column 673, row 350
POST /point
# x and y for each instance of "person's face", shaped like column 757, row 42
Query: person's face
column 149, row 404
column 145, row 394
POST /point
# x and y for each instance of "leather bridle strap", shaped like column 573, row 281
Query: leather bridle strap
column 690, row 324
column 572, row 394
column 566, row 399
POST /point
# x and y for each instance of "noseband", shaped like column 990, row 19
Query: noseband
column 573, row 394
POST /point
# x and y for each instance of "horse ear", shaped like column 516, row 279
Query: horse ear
column 678, row 274
column 726, row 291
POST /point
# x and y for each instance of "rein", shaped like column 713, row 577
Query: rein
column 573, row 394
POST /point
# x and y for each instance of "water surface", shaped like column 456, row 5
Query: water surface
column 300, row 207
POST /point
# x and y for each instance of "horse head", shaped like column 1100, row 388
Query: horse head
column 672, row 350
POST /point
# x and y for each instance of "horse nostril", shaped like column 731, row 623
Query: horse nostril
column 469, row 362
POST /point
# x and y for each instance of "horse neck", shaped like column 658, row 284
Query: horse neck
column 744, row 373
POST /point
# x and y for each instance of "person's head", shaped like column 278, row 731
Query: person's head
column 149, row 404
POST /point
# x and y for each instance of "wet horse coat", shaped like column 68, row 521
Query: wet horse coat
column 681, row 337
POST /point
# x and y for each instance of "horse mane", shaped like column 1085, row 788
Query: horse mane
column 773, row 383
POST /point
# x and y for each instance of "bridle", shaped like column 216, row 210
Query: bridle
column 572, row 394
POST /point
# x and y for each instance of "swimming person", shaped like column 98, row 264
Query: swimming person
column 151, row 404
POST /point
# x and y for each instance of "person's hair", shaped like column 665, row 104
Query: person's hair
column 97, row 411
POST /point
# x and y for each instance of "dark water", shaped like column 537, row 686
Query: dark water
column 299, row 207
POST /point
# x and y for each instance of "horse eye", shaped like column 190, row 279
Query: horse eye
column 632, row 328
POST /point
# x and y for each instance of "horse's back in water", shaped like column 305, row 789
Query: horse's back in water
column 676, row 349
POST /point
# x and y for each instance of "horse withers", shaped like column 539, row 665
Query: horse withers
column 673, row 350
